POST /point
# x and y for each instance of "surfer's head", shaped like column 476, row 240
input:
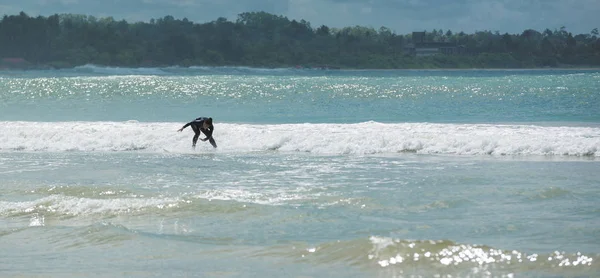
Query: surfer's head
column 207, row 123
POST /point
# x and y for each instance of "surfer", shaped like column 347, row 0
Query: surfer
column 201, row 124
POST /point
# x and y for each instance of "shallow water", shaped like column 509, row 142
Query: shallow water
column 320, row 174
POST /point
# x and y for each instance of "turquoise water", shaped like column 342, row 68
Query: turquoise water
column 93, row 94
column 318, row 173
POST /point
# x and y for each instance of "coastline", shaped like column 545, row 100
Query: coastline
column 487, row 69
column 324, row 68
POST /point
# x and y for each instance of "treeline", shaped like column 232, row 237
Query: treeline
column 260, row 39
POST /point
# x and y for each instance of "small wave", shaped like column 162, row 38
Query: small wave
column 440, row 205
column 69, row 206
column 360, row 138
column 95, row 234
column 437, row 258
column 550, row 193
column 102, row 70
column 78, row 202
column 91, row 69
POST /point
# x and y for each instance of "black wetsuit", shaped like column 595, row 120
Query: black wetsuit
column 197, row 126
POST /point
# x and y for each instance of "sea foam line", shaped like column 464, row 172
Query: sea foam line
column 359, row 138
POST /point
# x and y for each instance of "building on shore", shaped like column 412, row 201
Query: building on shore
column 421, row 47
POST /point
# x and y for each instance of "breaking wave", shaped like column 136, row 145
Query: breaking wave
column 359, row 138
column 439, row 258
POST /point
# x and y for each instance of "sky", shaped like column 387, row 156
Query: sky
column 401, row 16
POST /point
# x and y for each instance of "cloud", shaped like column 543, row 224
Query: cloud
column 511, row 16
column 402, row 16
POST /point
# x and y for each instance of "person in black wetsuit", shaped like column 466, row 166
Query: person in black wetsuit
column 201, row 124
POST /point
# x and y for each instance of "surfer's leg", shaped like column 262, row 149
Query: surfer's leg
column 196, row 135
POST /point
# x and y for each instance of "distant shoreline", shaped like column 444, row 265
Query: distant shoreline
column 264, row 40
column 47, row 67
column 483, row 69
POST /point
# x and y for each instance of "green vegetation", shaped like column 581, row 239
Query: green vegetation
column 260, row 39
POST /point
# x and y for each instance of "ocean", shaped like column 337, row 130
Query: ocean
column 318, row 173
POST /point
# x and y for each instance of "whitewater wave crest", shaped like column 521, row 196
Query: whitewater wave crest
column 359, row 138
column 91, row 69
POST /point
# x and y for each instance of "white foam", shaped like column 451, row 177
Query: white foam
column 67, row 205
column 360, row 138
column 37, row 220
column 261, row 196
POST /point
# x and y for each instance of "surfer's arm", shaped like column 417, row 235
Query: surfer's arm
column 208, row 133
column 186, row 125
